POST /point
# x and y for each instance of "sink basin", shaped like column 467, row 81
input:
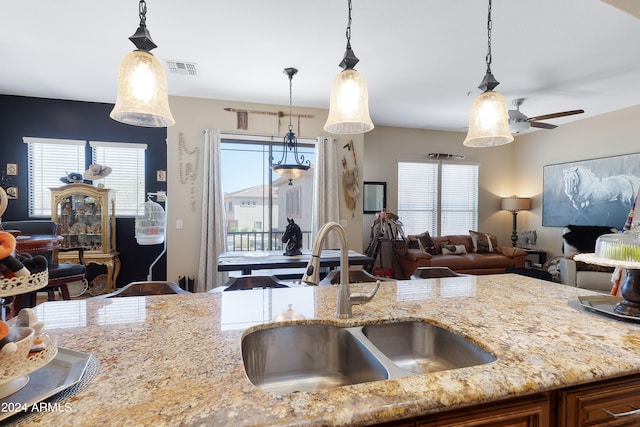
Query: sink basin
column 420, row 347
column 312, row 357
column 307, row 357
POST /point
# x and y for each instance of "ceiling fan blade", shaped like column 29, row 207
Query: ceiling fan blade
column 556, row 115
column 542, row 125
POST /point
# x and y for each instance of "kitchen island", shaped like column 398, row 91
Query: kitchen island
column 176, row 359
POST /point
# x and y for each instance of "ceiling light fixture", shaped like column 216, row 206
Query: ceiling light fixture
column 349, row 103
column 290, row 143
column 489, row 120
column 142, row 84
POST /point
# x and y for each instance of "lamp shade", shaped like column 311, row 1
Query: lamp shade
column 290, row 172
column 515, row 204
column 349, row 104
column 488, row 121
column 142, row 92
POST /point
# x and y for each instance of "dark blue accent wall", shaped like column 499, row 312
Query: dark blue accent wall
column 55, row 118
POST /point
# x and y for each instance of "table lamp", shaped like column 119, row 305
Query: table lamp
column 514, row 204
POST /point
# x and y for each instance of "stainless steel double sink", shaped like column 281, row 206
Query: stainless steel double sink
column 313, row 357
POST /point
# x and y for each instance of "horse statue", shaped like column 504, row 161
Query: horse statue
column 293, row 238
column 585, row 189
column 529, row 237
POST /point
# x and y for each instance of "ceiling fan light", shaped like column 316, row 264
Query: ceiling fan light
column 517, row 126
column 349, row 104
column 142, row 92
column 488, row 122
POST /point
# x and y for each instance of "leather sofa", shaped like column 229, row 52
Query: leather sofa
column 411, row 256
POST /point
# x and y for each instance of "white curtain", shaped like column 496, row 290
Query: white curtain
column 213, row 234
column 326, row 192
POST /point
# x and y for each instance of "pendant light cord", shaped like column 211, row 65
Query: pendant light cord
column 142, row 12
column 348, row 30
column 290, row 100
column 489, row 26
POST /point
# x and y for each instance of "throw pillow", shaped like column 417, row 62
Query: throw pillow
column 426, row 243
column 483, row 242
column 453, row 249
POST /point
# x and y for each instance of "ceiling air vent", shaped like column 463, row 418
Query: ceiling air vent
column 182, row 68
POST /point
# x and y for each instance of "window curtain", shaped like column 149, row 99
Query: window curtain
column 326, row 191
column 214, row 240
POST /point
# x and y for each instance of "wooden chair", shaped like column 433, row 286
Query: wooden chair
column 137, row 289
column 59, row 273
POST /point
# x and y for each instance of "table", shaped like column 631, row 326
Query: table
column 535, row 257
column 37, row 243
column 259, row 260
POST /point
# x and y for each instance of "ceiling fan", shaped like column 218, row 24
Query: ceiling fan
column 518, row 122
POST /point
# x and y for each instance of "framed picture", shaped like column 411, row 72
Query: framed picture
column 12, row 193
column 161, row 175
column 12, row 169
column 375, row 196
column 590, row 192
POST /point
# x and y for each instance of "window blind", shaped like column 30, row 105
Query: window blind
column 49, row 160
column 127, row 177
column 418, row 196
column 459, row 198
column 438, row 197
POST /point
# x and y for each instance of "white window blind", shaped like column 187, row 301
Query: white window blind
column 418, row 196
column 49, row 160
column 127, row 177
column 438, row 197
column 459, row 198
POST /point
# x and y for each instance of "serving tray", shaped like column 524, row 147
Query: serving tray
column 65, row 370
column 604, row 304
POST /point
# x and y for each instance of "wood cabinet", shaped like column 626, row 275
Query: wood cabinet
column 533, row 411
column 594, row 404
column 86, row 215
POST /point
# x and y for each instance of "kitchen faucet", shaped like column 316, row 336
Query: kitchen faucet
column 312, row 275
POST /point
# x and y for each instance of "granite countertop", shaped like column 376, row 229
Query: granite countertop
column 175, row 359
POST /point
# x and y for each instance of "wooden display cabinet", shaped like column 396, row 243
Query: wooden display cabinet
column 86, row 215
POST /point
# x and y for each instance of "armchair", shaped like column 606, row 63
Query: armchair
column 60, row 274
column 582, row 239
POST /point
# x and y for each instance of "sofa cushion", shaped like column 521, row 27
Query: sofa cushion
column 453, row 249
column 582, row 238
column 483, row 242
column 425, row 243
column 452, row 240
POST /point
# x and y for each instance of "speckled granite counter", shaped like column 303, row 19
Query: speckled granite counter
column 175, row 360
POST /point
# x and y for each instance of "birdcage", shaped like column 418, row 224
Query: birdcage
column 151, row 228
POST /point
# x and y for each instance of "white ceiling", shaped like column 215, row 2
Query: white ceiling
column 422, row 59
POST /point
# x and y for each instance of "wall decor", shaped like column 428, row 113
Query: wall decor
column 12, row 169
column 590, row 192
column 12, row 193
column 161, row 175
column 375, row 196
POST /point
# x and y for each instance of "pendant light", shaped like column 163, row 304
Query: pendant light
column 489, row 119
column 349, row 103
column 142, row 84
column 290, row 143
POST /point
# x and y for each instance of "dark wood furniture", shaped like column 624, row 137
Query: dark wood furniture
column 248, row 261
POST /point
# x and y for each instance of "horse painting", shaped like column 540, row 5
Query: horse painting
column 584, row 189
column 293, row 238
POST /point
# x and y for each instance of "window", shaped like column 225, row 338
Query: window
column 438, row 197
column 248, row 181
column 51, row 159
column 126, row 161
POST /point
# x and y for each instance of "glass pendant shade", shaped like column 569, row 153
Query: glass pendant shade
column 349, row 104
column 142, row 92
column 488, row 121
column 290, row 172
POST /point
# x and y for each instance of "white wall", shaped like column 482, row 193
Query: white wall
column 193, row 115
